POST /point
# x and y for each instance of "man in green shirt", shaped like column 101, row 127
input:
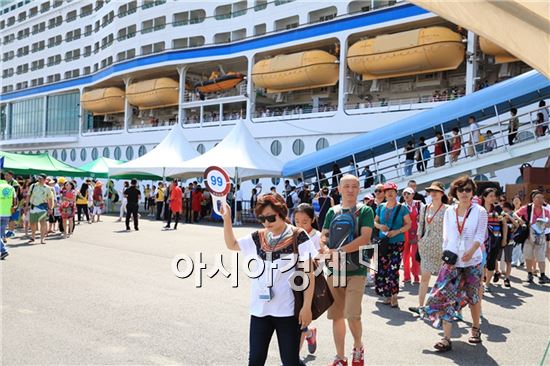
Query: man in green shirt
column 347, row 300
column 15, row 214
column 41, row 200
column 7, row 202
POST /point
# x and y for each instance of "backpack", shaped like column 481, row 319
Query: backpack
column 289, row 201
column 344, row 227
column 522, row 233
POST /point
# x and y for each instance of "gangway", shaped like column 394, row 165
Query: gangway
column 382, row 149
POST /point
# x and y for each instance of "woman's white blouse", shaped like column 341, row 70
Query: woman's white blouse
column 475, row 230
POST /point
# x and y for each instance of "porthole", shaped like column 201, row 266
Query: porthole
column 95, row 153
column 276, row 148
column 298, row 147
column 83, row 155
column 201, row 149
column 118, row 153
column 73, row 154
column 142, row 151
column 129, row 153
column 106, row 152
column 321, row 144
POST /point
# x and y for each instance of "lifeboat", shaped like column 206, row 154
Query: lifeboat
column 297, row 71
column 154, row 93
column 103, row 101
column 407, row 53
column 501, row 55
column 217, row 83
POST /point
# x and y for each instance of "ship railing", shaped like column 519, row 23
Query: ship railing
column 393, row 166
column 102, row 129
column 294, row 113
column 163, row 123
column 402, row 104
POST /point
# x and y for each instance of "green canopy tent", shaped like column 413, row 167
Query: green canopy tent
column 27, row 164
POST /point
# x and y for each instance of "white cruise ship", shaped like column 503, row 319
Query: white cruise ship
column 84, row 79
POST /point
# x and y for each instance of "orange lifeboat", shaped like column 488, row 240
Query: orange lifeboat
column 501, row 55
column 154, row 93
column 217, row 83
column 103, row 101
column 412, row 52
column 297, row 71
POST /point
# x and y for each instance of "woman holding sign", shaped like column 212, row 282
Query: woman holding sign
column 271, row 296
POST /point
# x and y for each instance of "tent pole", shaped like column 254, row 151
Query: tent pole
column 319, row 184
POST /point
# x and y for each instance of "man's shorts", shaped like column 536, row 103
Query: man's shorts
column 347, row 300
column 534, row 252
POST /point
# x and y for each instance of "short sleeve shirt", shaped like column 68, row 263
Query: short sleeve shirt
column 254, row 246
column 387, row 217
column 133, row 195
column 7, row 192
column 40, row 194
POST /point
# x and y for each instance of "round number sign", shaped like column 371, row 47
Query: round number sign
column 217, row 181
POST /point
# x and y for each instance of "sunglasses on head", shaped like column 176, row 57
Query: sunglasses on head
column 464, row 189
column 268, row 218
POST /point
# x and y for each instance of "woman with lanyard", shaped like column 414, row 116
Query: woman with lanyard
column 459, row 279
column 304, row 217
column 497, row 233
column 392, row 220
column 410, row 263
column 272, row 298
column 430, row 237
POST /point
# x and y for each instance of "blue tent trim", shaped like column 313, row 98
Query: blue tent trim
column 516, row 92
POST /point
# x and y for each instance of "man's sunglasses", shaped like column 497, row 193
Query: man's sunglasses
column 462, row 189
column 268, row 218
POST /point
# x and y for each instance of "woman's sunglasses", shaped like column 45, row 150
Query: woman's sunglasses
column 462, row 189
column 378, row 191
column 268, row 218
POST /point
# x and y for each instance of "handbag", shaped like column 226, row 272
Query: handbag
column 384, row 243
column 449, row 257
column 322, row 297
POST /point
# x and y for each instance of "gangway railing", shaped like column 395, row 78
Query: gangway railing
column 393, row 166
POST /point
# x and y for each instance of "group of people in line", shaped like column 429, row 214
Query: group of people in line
column 458, row 236
column 48, row 205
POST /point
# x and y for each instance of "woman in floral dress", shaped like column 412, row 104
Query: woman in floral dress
column 459, row 279
column 430, row 238
column 68, row 207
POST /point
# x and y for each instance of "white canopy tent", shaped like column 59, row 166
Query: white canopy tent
column 172, row 152
column 238, row 153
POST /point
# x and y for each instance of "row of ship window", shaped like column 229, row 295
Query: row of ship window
column 298, row 148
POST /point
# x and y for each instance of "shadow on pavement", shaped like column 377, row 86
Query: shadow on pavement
column 464, row 353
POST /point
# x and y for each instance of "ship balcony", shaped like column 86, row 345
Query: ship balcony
column 26, row 139
column 294, row 113
column 396, row 105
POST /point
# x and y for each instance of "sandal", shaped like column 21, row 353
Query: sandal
column 393, row 302
column 444, row 345
column 475, row 338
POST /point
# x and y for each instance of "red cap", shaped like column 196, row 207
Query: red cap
column 389, row 185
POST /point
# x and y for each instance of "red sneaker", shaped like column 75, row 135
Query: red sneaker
column 339, row 362
column 312, row 341
column 358, row 357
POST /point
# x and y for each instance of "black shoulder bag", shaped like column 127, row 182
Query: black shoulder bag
column 322, row 297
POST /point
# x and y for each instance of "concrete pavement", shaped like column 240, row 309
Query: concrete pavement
column 108, row 297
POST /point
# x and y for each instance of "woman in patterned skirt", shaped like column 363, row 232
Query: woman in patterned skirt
column 430, row 238
column 458, row 283
column 68, row 208
column 392, row 220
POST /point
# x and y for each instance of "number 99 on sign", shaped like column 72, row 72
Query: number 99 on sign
column 216, row 181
